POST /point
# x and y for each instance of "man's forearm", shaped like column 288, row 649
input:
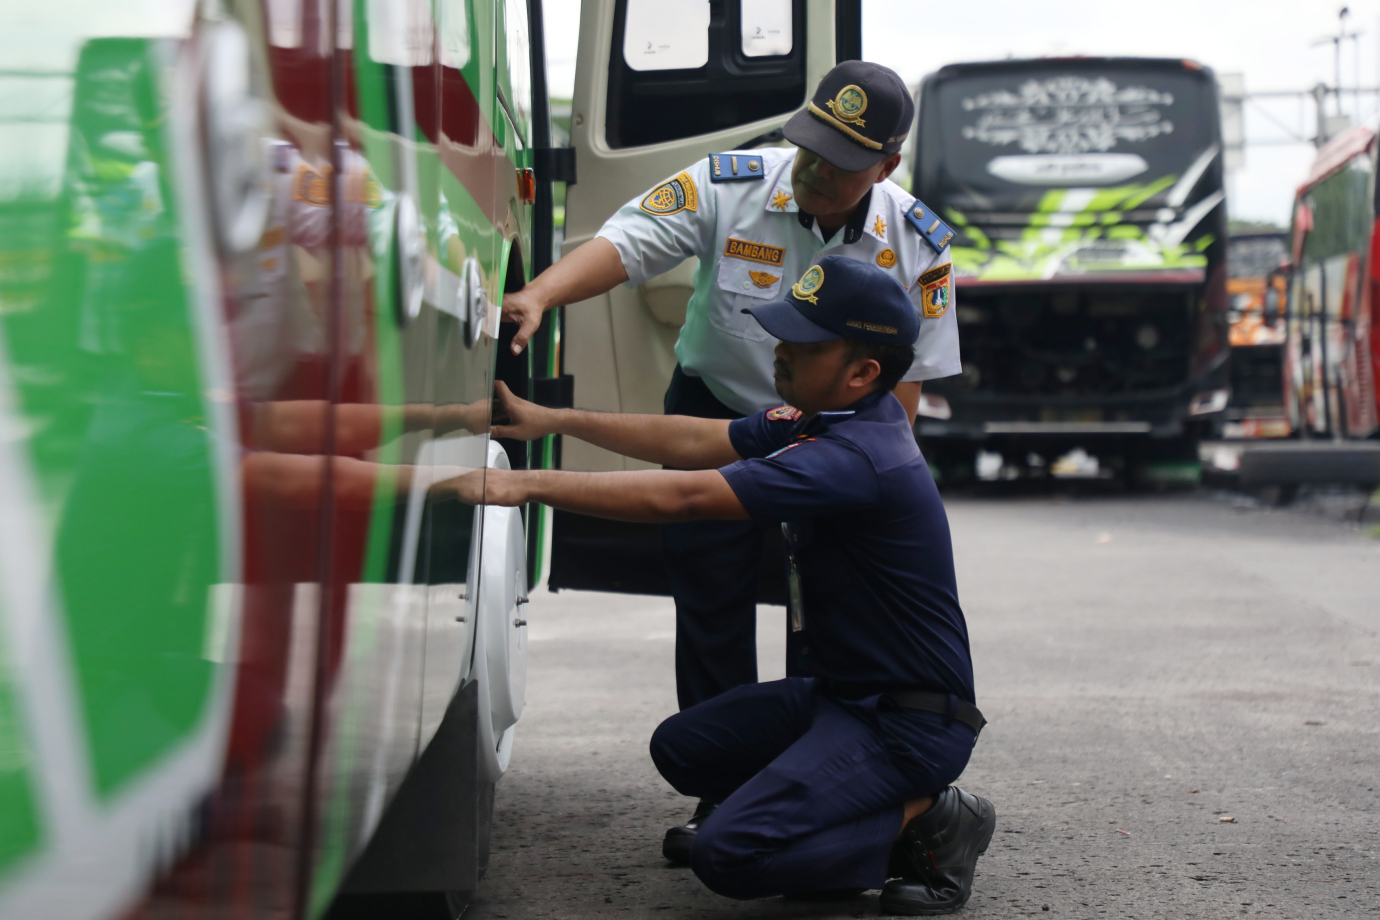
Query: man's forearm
column 680, row 441
column 591, row 269
column 650, row 496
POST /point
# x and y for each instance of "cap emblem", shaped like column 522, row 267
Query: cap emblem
column 811, row 281
column 886, row 258
column 849, row 105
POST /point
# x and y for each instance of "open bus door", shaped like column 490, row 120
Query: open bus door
column 656, row 88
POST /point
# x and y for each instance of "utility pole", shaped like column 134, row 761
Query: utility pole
column 1327, row 127
column 1319, row 103
column 1337, row 54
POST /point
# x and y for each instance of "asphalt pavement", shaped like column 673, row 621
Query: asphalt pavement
column 1184, row 697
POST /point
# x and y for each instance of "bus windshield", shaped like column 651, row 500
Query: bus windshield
column 1073, row 169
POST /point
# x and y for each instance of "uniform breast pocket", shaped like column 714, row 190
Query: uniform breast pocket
column 743, row 284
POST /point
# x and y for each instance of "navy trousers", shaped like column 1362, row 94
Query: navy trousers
column 811, row 796
column 713, row 568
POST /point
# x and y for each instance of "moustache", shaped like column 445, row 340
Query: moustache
column 781, row 368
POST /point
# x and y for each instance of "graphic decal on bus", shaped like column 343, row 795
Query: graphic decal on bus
column 1074, row 173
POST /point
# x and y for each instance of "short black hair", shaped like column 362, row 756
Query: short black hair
column 894, row 359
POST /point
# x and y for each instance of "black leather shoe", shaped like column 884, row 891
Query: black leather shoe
column 679, row 840
column 933, row 863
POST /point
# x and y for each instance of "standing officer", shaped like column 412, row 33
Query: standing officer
column 753, row 218
column 840, row 780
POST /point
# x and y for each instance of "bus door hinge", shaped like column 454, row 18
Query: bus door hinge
column 554, row 164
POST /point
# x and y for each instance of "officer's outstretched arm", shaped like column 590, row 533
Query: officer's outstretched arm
column 671, row 440
column 590, row 269
column 650, row 496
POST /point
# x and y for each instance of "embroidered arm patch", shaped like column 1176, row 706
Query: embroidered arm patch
column 784, row 414
column 934, row 290
column 672, row 196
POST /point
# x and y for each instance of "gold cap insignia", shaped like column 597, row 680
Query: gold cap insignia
column 886, row 258
column 849, row 105
column 811, row 281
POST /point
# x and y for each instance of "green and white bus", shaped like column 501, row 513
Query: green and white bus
column 253, row 661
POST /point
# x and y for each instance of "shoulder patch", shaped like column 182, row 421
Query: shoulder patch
column 935, row 286
column 784, row 414
column 672, row 196
column 728, row 167
column 928, row 225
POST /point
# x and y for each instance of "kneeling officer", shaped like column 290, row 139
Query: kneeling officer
column 840, row 780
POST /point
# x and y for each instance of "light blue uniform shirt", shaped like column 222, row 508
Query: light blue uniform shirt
column 752, row 246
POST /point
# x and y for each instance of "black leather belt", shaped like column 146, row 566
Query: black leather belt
column 944, row 704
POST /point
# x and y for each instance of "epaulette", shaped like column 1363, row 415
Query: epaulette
column 934, row 230
column 728, row 167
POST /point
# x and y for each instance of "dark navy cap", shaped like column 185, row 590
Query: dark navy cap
column 842, row 298
column 859, row 116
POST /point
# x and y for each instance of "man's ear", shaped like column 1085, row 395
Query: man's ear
column 889, row 166
column 865, row 373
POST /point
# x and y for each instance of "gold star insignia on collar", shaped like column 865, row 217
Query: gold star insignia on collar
column 879, row 227
column 780, row 200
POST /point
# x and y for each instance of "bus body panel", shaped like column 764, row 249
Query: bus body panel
column 234, row 356
column 1330, row 351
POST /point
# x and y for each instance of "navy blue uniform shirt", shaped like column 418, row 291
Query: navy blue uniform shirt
column 872, row 542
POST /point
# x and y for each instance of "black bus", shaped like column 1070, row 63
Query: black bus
column 1087, row 197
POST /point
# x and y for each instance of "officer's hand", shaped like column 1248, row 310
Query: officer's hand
column 527, row 421
column 522, row 307
column 487, row 487
column 471, row 417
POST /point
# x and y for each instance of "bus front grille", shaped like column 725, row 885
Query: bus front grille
column 1071, row 343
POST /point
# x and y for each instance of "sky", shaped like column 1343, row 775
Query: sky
column 1271, row 43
